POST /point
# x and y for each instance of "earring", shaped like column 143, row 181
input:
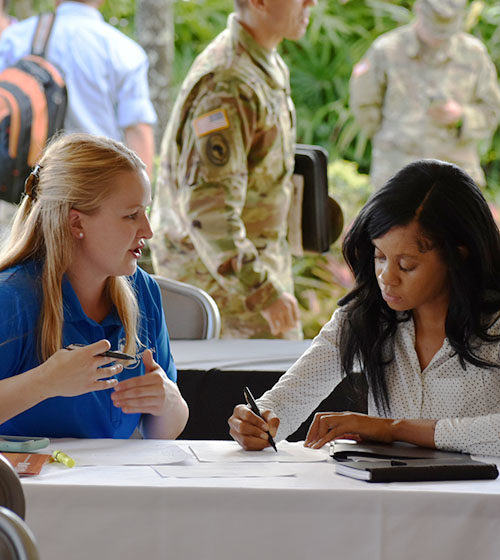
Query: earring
column 80, row 235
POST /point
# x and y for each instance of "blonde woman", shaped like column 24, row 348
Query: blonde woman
column 69, row 276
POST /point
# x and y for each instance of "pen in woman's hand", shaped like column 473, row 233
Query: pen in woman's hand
column 255, row 409
column 107, row 354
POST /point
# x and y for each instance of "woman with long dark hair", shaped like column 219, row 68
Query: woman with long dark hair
column 421, row 324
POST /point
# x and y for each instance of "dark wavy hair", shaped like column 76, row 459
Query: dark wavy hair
column 456, row 219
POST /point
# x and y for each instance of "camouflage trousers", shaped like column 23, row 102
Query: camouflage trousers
column 237, row 320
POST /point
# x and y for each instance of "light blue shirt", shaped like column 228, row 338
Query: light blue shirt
column 105, row 71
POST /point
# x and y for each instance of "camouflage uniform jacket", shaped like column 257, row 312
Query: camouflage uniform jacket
column 398, row 79
column 224, row 185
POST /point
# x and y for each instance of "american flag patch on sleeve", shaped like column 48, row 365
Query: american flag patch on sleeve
column 210, row 122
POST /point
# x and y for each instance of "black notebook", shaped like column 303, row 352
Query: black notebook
column 400, row 462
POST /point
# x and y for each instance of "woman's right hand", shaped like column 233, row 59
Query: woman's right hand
column 249, row 430
column 68, row 373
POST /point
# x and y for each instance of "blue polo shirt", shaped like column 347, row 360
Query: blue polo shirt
column 91, row 415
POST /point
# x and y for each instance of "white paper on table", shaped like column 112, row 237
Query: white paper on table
column 112, row 452
column 211, row 470
column 231, row 452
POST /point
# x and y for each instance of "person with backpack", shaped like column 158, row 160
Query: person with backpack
column 105, row 73
column 70, row 290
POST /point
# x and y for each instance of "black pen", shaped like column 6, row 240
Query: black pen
column 255, row 409
column 107, row 354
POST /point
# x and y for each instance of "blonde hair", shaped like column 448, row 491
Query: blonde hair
column 75, row 171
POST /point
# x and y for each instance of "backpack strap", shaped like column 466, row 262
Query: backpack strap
column 42, row 33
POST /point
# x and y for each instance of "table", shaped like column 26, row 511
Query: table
column 237, row 355
column 212, row 374
column 130, row 512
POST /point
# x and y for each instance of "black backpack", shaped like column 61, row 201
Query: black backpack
column 33, row 101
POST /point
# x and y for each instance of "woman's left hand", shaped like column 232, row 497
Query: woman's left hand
column 352, row 425
column 146, row 394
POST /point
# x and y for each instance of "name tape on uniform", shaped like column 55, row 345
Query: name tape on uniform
column 211, row 122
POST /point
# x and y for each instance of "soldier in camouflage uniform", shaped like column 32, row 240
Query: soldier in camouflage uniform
column 426, row 90
column 224, row 185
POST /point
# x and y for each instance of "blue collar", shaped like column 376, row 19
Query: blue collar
column 73, row 312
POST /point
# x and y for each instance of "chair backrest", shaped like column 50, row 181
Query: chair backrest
column 11, row 491
column 16, row 539
column 190, row 312
column 17, row 542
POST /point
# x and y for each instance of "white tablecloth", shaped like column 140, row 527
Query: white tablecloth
column 131, row 512
column 235, row 354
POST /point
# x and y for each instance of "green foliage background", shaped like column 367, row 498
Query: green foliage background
column 320, row 66
column 340, row 31
column 321, row 63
